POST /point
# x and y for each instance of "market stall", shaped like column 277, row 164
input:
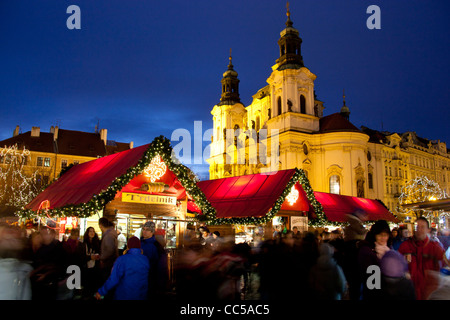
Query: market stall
column 129, row 187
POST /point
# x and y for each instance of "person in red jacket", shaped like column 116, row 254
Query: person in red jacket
column 425, row 258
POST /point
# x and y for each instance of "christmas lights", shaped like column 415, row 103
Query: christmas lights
column 161, row 150
column 292, row 197
column 420, row 189
column 17, row 188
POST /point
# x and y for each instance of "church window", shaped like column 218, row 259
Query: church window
column 334, row 184
column 370, row 180
column 279, row 106
column 302, row 104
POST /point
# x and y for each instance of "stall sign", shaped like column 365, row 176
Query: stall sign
column 148, row 198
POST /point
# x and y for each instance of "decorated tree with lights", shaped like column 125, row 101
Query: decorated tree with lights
column 420, row 189
column 17, row 187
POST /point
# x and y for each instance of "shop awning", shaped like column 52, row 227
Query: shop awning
column 336, row 207
column 251, row 195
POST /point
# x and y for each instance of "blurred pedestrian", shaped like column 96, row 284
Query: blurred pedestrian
column 371, row 251
column 354, row 232
column 121, row 241
column 434, row 237
column 151, row 249
column 108, row 248
column 424, row 256
column 395, row 285
column 207, row 239
column 217, row 242
column 296, row 233
column 74, row 249
column 403, row 234
column 129, row 276
column 49, row 266
column 15, row 273
column 327, row 280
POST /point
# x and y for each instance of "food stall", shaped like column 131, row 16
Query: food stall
column 129, row 188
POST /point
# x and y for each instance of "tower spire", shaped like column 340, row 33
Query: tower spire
column 345, row 111
column 230, row 85
column 290, row 45
column 289, row 23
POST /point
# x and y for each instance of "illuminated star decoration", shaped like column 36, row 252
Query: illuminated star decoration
column 292, row 197
column 156, row 169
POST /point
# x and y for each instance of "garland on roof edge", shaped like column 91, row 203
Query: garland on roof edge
column 299, row 176
column 161, row 146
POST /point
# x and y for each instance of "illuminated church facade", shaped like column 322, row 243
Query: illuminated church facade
column 286, row 118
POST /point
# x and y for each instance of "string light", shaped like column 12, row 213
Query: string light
column 420, row 189
column 16, row 187
column 161, row 147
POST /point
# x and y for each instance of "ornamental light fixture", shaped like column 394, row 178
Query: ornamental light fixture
column 292, row 197
column 156, row 169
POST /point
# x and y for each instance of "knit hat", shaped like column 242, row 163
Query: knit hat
column 134, row 242
column 151, row 225
column 393, row 264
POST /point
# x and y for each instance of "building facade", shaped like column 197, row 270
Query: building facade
column 51, row 152
column 286, row 119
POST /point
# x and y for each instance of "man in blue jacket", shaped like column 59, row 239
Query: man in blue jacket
column 150, row 247
column 129, row 276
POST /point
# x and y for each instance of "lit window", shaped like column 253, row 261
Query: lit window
column 47, row 162
column 335, row 184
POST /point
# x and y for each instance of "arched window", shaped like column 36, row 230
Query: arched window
column 335, row 184
column 302, row 104
column 258, row 123
column 370, row 180
column 279, row 106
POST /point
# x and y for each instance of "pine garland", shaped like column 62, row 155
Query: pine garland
column 300, row 177
column 161, row 146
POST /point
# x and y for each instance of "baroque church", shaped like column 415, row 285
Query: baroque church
column 286, row 118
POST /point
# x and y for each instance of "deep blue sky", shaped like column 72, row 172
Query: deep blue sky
column 145, row 68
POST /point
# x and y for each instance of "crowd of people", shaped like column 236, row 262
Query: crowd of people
column 353, row 263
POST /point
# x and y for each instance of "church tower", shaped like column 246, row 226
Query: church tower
column 291, row 86
column 229, row 121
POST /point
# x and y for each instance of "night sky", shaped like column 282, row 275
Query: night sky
column 146, row 68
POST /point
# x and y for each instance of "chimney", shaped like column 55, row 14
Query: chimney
column 103, row 135
column 35, row 131
column 16, row 131
column 55, row 133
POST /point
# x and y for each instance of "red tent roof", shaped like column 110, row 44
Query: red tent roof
column 336, row 207
column 85, row 180
column 250, row 195
column 87, row 187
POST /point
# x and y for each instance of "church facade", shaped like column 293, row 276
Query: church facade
column 285, row 123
